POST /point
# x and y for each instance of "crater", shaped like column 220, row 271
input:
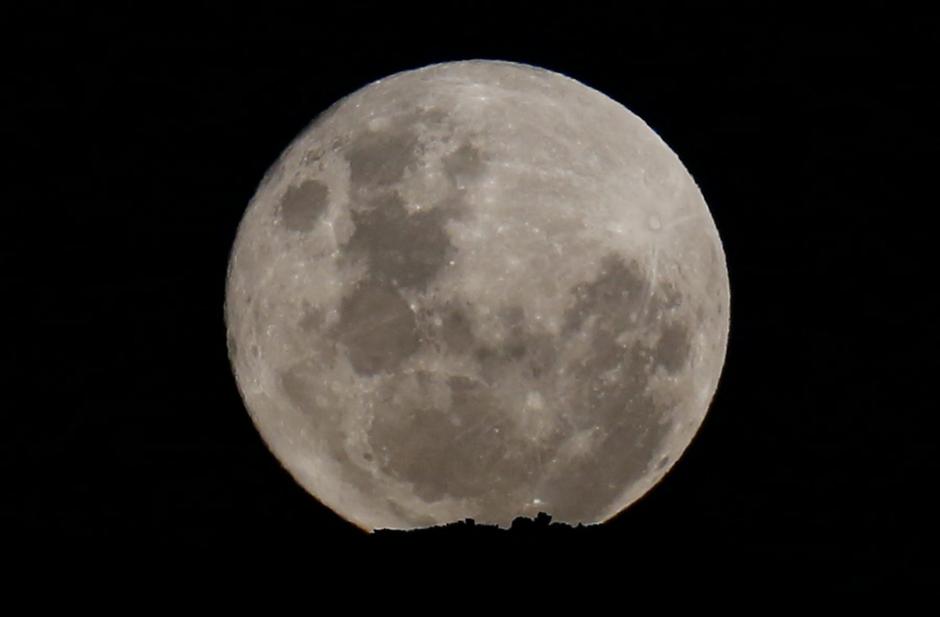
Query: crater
column 302, row 206
column 377, row 327
column 401, row 248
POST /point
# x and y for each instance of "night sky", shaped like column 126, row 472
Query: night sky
column 139, row 138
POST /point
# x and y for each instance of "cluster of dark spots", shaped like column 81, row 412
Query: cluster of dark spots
column 614, row 301
column 520, row 346
column 316, row 156
column 468, row 450
column 400, row 248
column 377, row 327
column 464, row 165
column 535, row 352
column 311, row 318
column 453, row 330
column 673, row 348
column 612, row 376
column 378, row 159
column 612, row 391
column 542, row 356
column 302, row 206
column 617, row 293
column 456, row 330
column 313, row 158
column 515, row 344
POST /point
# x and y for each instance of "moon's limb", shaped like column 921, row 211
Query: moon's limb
column 477, row 289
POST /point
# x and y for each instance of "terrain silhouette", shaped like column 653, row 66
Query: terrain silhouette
column 468, row 531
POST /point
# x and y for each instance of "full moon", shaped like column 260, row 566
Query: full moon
column 477, row 290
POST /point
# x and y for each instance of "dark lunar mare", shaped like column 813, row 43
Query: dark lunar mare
column 612, row 392
column 470, row 450
column 302, row 206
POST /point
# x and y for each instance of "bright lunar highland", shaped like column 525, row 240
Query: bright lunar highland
column 477, row 290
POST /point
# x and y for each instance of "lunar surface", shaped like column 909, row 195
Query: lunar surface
column 477, row 290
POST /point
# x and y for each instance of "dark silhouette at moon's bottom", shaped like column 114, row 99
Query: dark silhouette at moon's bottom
column 522, row 526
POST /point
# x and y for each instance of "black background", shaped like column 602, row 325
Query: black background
column 140, row 136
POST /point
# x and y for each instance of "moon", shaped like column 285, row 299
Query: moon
column 481, row 290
